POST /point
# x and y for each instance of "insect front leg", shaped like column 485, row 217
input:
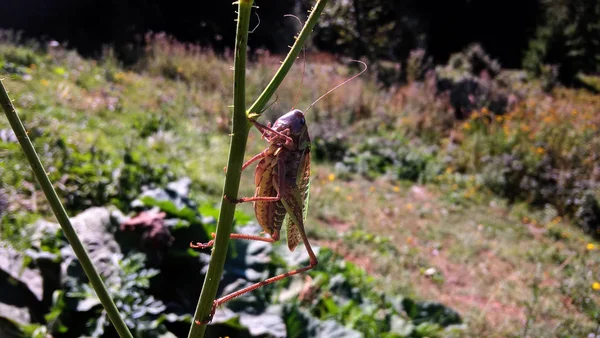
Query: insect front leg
column 281, row 173
column 259, row 238
column 264, row 129
column 254, row 158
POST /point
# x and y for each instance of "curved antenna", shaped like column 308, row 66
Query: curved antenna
column 303, row 64
column 270, row 104
column 258, row 17
column 338, row 86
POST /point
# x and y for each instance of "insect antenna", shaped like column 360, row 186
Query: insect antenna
column 338, row 86
column 258, row 17
column 270, row 104
column 298, row 92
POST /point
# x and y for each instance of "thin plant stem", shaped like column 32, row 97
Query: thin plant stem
column 241, row 127
column 61, row 215
column 237, row 149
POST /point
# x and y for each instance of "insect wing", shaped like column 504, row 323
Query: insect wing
column 302, row 196
column 266, row 212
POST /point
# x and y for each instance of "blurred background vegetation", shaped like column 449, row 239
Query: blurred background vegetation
column 456, row 184
column 519, row 34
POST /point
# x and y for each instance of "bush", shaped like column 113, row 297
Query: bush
column 378, row 156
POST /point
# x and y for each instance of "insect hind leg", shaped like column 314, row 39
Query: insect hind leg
column 224, row 299
column 252, row 199
column 274, row 238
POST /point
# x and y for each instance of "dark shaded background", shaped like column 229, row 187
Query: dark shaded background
column 518, row 33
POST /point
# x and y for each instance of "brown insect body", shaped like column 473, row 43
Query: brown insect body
column 282, row 180
column 284, row 171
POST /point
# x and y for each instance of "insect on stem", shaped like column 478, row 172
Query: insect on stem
column 282, row 180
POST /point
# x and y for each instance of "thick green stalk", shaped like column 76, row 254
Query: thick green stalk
column 266, row 95
column 61, row 214
column 232, row 178
column 241, row 127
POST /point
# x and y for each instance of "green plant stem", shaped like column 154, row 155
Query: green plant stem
column 232, row 178
column 241, row 128
column 285, row 67
column 61, row 214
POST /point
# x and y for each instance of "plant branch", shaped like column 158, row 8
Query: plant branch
column 241, row 127
column 61, row 214
column 232, row 178
column 285, row 67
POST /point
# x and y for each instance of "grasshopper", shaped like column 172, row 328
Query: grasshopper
column 282, row 180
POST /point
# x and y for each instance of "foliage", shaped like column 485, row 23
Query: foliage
column 143, row 313
column 568, row 37
column 109, row 134
column 392, row 157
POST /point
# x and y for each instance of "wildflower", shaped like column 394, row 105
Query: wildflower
column 409, row 206
column 396, row 188
column 596, row 286
column 467, row 126
column 409, row 240
column 331, row 177
column 540, row 150
column 119, row 76
column 499, row 118
column 44, row 82
column 179, row 69
column 372, row 189
column 32, row 66
column 336, row 189
column 590, row 246
column 349, row 198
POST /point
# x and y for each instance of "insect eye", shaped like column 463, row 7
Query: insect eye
column 302, row 121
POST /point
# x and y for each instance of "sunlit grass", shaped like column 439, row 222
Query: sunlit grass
column 453, row 237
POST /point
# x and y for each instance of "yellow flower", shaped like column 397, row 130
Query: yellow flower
column 44, row 82
column 372, row 189
column 590, row 246
column 596, row 286
column 409, row 206
column 396, row 188
column 540, row 150
column 336, row 189
column 331, row 177
column 467, row 125
column 349, row 198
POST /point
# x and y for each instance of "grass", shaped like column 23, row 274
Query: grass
column 452, row 235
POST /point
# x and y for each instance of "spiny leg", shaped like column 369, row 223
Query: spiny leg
column 274, row 238
column 281, row 171
column 263, row 129
column 252, row 199
column 254, row 158
column 312, row 263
